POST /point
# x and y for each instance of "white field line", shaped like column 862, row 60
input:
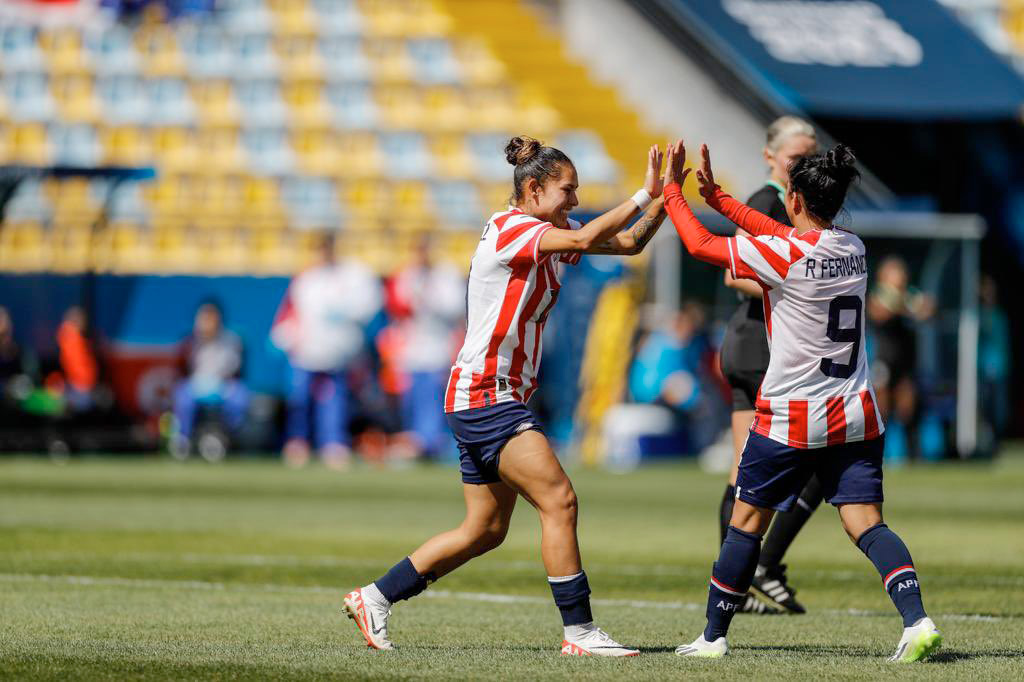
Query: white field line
column 638, row 570
column 100, row 581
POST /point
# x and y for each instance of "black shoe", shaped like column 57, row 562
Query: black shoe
column 770, row 584
column 758, row 607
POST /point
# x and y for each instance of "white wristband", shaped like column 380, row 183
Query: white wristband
column 642, row 199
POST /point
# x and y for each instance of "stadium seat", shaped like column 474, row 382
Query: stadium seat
column 158, row 49
column 245, row 16
column 292, row 17
column 28, row 96
column 19, row 50
column 311, row 202
column 63, row 50
column 29, row 204
column 169, row 102
column 122, row 98
column 338, row 17
column 29, row 144
column 457, row 204
column 267, row 150
column 406, row 154
column 253, row 56
column 588, row 154
column 307, row 106
column 434, row 61
column 215, row 102
column 452, row 158
column 445, row 108
column 261, row 103
column 206, row 48
column 352, row 105
column 344, row 58
column 110, row 50
column 176, row 148
column 126, row 146
column 477, row 64
column 391, row 61
column 76, row 101
column 24, row 246
column 316, row 150
column 488, row 150
column 359, row 154
column 299, row 56
column 399, row 106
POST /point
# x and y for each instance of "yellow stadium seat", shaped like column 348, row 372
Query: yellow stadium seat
column 261, row 199
column 126, row 146
column 71, row 198
column 76, row 99
column 299, row 56
column 220, row 150
column 29, row 144
column 495, row 195
column 404, row 18
column 63, row 50
column 451, row 156
column 292, row 17
column 215, row 102
column 366, row 197
column 390, row 60
column 446, row 109
column 307, row 106
column 400, row 107
column 359, row 155
column 159, row 52
column 176, row 148
column 492, row 109
column 24, row 246
column 69, row 247
column 477, row 63
column 317, row 151
column 410, row 201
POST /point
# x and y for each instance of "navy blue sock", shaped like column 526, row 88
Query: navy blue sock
column 730, row 580
column 572, row 596
column 892, row 559
column 402, row 581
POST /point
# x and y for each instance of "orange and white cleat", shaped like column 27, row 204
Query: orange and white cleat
column 370, row 616
column 590, row 640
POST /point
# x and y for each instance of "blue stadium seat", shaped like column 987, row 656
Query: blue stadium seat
column 19, row 49
column 111, row 50
column 344, row 59
column 488, row 153
column 588, row 154
column 169, row 102
column 457, row 203
column 353, row 105
column 75, row 144
column 205, row 47
column 123, row 98
column 28, row 96
column 434, row 61
column 406, row 154
column 338, row 17
column 253, row 56
column 267, row 150
column 29, row 203
column 245, row 16
column 261, row 103
column 312, row 202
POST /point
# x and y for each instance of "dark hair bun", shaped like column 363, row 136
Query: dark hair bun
column 841, row 161
column 521, row 149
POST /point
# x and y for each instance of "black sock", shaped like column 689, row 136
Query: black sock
column 787, row 524
column 572, row 597
column 899, row 578
column 402, row 581
column 730, row 580
column 725, row 511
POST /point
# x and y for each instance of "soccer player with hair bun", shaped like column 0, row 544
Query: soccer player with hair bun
column 815, row 411
column 513, row 284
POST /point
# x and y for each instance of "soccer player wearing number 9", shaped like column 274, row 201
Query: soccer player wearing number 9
column 815, row 412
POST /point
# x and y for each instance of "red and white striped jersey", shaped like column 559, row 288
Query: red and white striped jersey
column 512, row 288
column 817, row 390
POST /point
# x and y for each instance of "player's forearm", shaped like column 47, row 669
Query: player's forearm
column 754, row 222
column 588, row 238
column 745, row 286
column 633, row 241
column 701, row 244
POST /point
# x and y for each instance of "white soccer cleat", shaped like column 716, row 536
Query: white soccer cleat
column 919, row 641
column 701, row 648
column 370, row 617
column 593, row 641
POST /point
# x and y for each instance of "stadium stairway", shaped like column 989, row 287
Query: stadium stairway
column 535, row 54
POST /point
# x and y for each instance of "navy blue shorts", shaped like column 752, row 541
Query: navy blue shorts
column 773, row 474
column 482, row 432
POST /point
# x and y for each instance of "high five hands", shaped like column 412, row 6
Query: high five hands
column 652, row 179
column 676, row 173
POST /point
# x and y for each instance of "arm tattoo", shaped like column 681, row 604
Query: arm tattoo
column 645, row 229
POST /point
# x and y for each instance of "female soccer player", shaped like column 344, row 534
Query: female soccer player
column 744, row 358
column 816, row 409
column 513, row 283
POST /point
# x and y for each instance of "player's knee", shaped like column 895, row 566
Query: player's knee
column 486, row 536
column 562, row 504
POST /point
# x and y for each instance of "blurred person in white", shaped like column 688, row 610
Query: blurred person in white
column 894, row 308
column 210, row 360
column 428, row 301
column 320, row 325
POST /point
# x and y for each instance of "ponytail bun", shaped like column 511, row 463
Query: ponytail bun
column 842, row 162
column 521, row 149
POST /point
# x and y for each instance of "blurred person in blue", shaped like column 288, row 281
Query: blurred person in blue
column 210, row 361
column 671, row 368
column 993, row 365
column 10, row 352
column 427, row 302
column 321, row 326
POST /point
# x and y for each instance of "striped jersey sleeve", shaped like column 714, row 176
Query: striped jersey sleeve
column 518, row 239
column 766, row 259
column 571, row 257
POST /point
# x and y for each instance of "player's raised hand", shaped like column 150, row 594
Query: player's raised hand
column 652, row 180
column 674, row 162
column 705, row 176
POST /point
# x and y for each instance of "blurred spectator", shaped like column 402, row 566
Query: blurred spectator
column 893, row 309
column 993, row 364
column 210, row 359
column 77, row 358
column 321, row 326
column 427, row 302
column 672, row 369
column 171, row 9
column 10, row 353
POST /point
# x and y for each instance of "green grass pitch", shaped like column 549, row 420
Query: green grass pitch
column 150, row 569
